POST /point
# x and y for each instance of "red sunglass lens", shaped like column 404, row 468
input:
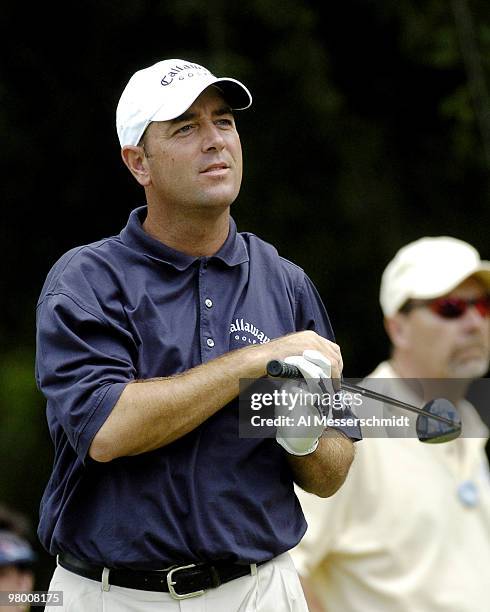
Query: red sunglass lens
column 452, row 308
column 449, row 308
column 483, row 306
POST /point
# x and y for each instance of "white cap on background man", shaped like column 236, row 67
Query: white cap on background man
column 429, row 268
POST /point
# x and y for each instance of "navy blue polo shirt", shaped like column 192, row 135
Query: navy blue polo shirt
column 129, row 307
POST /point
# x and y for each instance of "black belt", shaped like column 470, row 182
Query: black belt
column 180, row 581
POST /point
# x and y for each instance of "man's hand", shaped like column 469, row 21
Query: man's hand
column 302, row 437
column 319, row 350
column 319, row 458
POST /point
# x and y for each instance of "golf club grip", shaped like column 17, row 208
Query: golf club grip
column 281, row 369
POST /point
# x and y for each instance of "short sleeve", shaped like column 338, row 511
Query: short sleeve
column 83, row 363
column 310, row 311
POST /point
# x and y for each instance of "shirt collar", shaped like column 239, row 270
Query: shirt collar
column 232, row 253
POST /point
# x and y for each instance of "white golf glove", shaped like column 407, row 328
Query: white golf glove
column 302, row 439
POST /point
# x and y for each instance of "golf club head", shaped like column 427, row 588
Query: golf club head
column 434, row 432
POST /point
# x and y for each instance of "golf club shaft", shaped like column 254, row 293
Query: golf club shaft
column 280, row 369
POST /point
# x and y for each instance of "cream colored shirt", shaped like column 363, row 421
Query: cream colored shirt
column 397, row 536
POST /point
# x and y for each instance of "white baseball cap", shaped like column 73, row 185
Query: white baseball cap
column 166, row 90
column 429, row 268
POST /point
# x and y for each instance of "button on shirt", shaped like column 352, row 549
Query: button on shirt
column 129, row 307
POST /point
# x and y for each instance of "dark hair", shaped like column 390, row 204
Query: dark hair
column 16, row 540
column 13, row 521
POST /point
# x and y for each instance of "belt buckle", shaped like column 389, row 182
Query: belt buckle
column 171, row 584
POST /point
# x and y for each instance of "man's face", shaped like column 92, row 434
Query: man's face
column 195, row 161
column 15, row 579
column 447, row 348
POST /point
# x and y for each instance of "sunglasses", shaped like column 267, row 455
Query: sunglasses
column 451, row 308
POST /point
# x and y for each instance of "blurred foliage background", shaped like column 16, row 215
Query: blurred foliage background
column 370, row 128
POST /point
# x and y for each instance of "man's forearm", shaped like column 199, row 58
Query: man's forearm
column 153, row 413
column 324, row 471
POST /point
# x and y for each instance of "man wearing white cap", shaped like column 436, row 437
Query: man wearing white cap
column 410, row 528
column 155, row 503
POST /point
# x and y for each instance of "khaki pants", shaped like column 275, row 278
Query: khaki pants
column 274, row 588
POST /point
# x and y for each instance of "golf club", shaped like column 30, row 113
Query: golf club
column 441, row 410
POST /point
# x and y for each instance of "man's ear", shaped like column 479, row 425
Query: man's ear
column 135, row 159
column 397, row 329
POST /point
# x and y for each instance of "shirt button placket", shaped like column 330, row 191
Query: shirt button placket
column 205, row 305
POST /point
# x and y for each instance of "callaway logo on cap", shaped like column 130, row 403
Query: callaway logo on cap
column 166, row 90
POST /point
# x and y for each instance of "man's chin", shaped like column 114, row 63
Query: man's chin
column 474, row 368
column 218, row 198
